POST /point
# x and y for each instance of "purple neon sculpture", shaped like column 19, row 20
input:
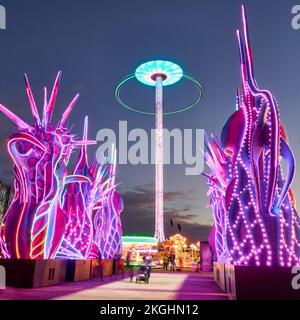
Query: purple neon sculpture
column 256, row 222
column 52, row 213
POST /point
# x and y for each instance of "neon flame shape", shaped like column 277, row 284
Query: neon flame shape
column 52, row 214
column 256, row 222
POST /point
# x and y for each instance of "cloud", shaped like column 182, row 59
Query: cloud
column 139, row 214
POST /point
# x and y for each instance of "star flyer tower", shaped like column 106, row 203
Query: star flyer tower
column 159, row 74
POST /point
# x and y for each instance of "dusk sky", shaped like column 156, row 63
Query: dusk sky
column 96, row 43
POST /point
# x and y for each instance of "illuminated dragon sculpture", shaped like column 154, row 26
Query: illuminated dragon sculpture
column 54, row 214
column 256, row 222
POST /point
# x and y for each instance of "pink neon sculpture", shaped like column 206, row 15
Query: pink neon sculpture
column 52, row 213
column 256, row 222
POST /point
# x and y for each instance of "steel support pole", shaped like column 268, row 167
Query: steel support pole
column 159, row 174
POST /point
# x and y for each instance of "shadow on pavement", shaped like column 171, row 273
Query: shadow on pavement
column 200, row 286
column 54, row 292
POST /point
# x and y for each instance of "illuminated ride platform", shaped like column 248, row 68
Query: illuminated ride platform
column 187, row 256
column 139, row 247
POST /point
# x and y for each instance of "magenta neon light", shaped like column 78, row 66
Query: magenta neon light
column 256, row 222
column 54, row 214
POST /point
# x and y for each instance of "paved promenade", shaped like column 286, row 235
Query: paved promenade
column 162, row 286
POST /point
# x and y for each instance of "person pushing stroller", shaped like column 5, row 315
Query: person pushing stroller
column 143, row 274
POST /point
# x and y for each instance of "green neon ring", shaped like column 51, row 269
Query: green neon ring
column 179, row 110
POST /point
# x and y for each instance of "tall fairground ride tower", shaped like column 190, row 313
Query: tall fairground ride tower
column 159, row 74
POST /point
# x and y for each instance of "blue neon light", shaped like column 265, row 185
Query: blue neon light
column 172, row 71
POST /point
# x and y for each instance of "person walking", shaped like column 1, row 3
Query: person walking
column 118, row 265
column 148, row 262
column 129, row 266
column 166, row 262
column 172, row 261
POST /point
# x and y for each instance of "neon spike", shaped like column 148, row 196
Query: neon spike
column 86, row 128
column 246, row 35
column 68, row 111
column 84, row 143
column 51, row 104
column 83, row 161
column 242, row 61
column 14, row 118
column 264, row 94
column 45, row 107
column 32, row 102
column 84, row 138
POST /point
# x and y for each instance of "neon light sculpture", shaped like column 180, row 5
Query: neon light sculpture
column 52, row 213
column 159, row 74
column 256, row 222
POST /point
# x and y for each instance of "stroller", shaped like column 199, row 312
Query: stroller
column 143, row 274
